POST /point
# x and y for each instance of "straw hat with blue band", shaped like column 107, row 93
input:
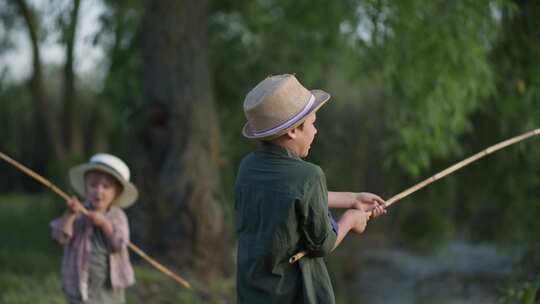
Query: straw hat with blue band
column 109, row 164
column 278, row 104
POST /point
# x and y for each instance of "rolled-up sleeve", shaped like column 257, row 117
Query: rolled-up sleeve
column 317, row 229
column 62, row 228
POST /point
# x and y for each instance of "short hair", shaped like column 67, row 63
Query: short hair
column 116, row 182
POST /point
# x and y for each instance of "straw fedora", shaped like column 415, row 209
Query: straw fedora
column 109, row 164
column 278, row 104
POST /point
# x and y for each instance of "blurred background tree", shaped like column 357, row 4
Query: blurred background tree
column 416, row 87
column 177, row 138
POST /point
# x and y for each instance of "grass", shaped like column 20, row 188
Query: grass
column 522, row 292
column 30, row 260
column 30, row 265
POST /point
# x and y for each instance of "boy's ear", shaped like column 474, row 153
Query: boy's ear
column 292, row 133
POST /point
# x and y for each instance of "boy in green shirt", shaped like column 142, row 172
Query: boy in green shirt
column 281, row 201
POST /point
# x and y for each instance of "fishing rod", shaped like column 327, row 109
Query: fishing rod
column 62, row 194
column 443, row 173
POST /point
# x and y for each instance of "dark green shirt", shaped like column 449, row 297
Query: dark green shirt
column 281, row 208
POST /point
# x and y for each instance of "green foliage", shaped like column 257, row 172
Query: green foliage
column 30, row 259
column 22, row 216
column 510, row 179
column 154, row 287
column 25, row 289
column 521, row 292
column 457, row 77
column 436, row 68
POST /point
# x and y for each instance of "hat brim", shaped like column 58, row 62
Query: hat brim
column 321, row 97
column 126, row 198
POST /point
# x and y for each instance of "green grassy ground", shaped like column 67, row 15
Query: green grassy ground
column 30, row 260
column 30, row 264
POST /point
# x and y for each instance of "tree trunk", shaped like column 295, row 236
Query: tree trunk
column 71, row 119
column 44, row 110
column 178, row 137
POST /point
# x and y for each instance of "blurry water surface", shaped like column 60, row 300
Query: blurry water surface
column 459, row 273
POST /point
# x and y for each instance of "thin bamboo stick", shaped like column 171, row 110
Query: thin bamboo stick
column 62, row 194
column 443, row 173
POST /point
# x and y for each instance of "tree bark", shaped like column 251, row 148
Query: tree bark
column 179, row 137
column 45, row 112
column 71, row 117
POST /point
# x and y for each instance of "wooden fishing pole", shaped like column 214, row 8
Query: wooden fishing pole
column 62, row 194
column 443, row 173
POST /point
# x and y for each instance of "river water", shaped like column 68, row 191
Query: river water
column 458, row 273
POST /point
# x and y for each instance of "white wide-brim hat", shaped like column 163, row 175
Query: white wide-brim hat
column 109, row 164
column 278, row 104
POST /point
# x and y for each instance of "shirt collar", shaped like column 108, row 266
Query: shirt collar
column 280, row 150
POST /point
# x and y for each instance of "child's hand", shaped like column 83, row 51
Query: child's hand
column 74, row 205
column 369, row 202
column 359, row 219
column 97, row 218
